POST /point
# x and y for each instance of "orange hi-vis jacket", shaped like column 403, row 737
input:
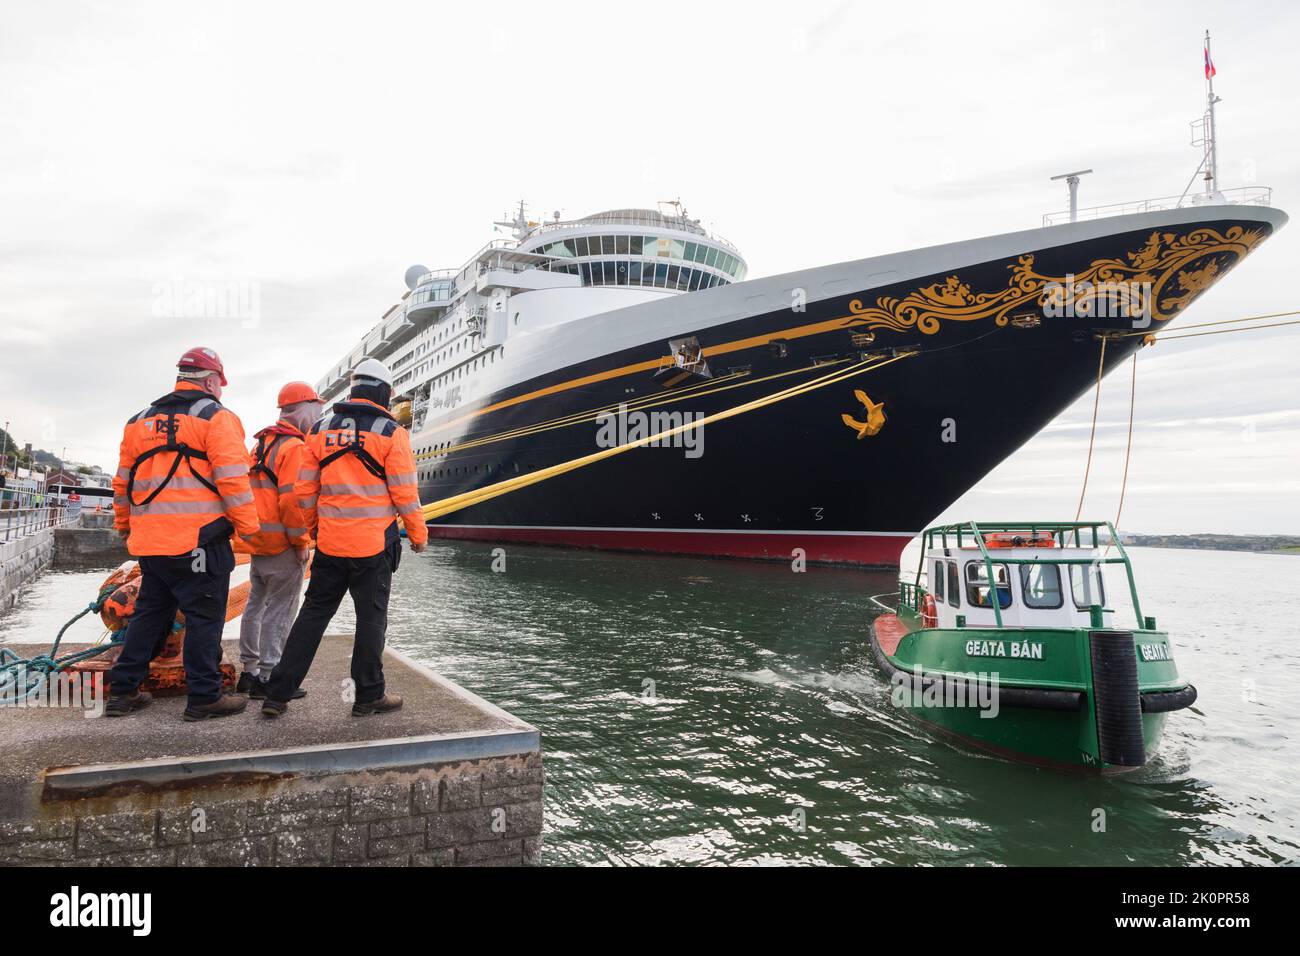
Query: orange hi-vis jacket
column 277, row 456
column 357, row 475
column 182, row 475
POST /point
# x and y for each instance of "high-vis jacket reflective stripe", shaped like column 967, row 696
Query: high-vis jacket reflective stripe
column 169, row 516
column 282, row 523
column 349, row 508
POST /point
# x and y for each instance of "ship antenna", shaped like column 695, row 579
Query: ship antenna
column 1211, row 150
column 1072, row 180
column 518, row 225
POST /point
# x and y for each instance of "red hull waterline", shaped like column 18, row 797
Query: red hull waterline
column 868, row 549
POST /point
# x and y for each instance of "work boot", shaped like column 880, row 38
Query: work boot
column 248, row 682
column 119, row 705
column 223, row 706
column 384, row 705
column 258, row 691
column 272, row 709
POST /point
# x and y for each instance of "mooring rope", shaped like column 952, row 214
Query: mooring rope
column 23, row 677
column 1128, row 448
column 446, row 506
column 1092, row 437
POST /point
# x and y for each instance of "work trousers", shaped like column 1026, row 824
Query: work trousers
column 275, row 585
column 369, row 581
column 196, row 585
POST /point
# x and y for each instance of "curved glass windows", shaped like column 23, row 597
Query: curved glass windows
column 679, row 251
column 665, row 247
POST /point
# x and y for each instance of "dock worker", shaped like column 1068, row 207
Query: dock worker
column 356, row 481
column 180, row 492
column 282, row 547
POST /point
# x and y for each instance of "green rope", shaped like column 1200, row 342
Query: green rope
column 21, row 678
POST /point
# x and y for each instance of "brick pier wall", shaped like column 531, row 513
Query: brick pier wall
column 481, row 812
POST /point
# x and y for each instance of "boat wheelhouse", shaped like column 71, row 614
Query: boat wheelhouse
column 1003, row 639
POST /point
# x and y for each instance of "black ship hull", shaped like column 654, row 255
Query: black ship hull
column 915, row 390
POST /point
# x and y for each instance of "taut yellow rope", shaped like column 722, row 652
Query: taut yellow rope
column 1101, row 369
column 446, row 506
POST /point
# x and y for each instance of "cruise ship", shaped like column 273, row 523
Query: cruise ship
column 829, row 413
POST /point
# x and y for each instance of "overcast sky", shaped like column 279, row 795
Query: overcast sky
column 310, row 153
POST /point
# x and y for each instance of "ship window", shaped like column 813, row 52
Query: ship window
column 937, row 586
column 701, row 252
column 634, row 272
column 690, row 251
column 620, row 245
column 673, row 273
column 712, row 259
column 977, row 584
column 662, row 247
column 607, row 245
column 696, row 275
column 634, row 245
column 954, row 585
column 610, row 277
column 1040, row 585
column 1086, row 586
column 661, row 275
column 622, row 273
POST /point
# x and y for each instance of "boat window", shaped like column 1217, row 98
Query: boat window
column 620, row 245
column 954, row 585
column 977, row 584
column 607, row 245
column 635, row 245
column 1040, row 585
column 1086, row 586
column 937, row 581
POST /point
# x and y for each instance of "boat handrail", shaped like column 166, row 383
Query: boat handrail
column 1241, row 195
column 1058, row 529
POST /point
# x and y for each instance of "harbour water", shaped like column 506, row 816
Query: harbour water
column 698, row 711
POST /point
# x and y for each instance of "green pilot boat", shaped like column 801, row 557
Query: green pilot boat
column 1004, row 640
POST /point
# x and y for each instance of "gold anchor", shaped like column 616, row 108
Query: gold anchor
column 875, row 416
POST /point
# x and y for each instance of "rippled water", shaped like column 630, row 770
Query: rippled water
column 698, row 711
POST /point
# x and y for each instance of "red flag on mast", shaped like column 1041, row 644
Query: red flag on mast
column 1209, row 64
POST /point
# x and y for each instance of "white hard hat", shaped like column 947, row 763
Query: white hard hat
column 372, row 369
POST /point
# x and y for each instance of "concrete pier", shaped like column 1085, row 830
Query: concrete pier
column 448, row 780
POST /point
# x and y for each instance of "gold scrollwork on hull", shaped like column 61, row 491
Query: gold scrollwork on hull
column 1168, row 272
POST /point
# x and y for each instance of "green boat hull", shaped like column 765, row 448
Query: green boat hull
column 1095, row 700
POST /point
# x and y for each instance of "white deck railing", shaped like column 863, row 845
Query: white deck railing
column 1242, row 196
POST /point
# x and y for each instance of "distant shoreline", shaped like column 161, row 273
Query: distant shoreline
column 1262, row 544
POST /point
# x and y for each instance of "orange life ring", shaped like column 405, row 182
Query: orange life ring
column 929, row 611
column 1015, row 539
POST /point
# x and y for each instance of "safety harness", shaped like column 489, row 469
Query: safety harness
column 262, row 455
column 355, row 447
column 180, row 449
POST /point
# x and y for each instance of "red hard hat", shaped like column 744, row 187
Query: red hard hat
column 296, row 392
column 201, row 357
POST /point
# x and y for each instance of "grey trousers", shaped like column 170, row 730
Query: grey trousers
column 276, row 581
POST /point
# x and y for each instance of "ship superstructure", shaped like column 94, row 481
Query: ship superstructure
column 831, row 392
